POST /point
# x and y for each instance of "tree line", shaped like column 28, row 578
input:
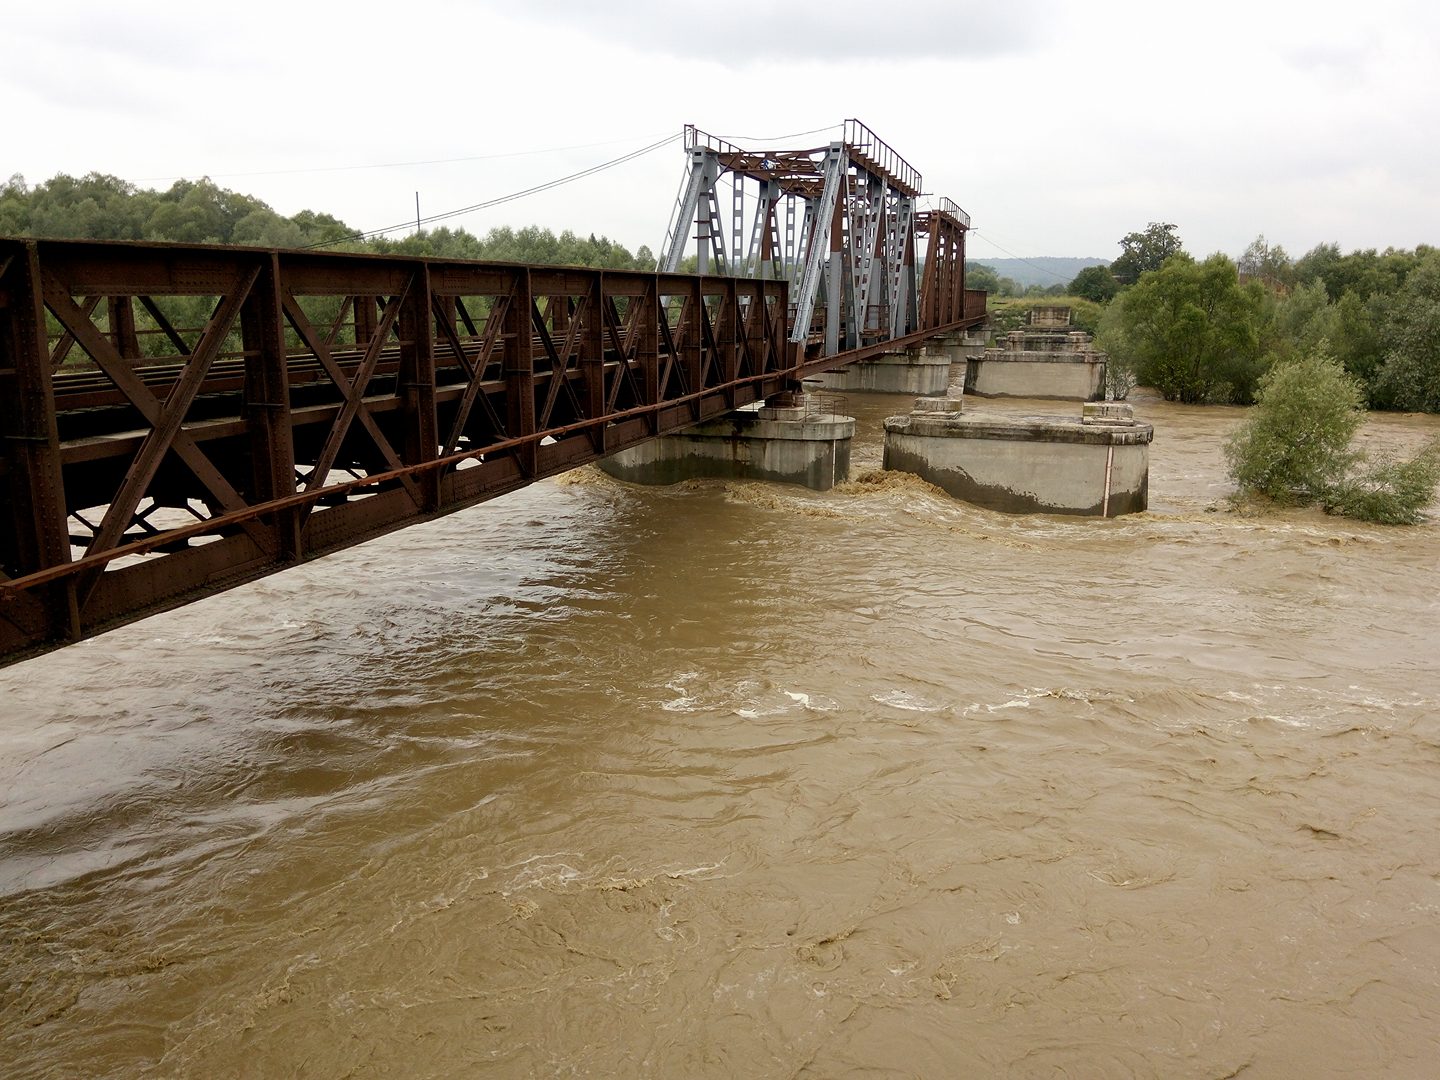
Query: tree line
column 101, row 207
column 1208, row 330
column 1311, row 342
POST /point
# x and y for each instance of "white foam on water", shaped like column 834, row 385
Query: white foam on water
column 904, row 699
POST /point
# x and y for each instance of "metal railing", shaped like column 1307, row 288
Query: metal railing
column 875, row 151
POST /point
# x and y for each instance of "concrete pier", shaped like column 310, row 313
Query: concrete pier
column 798, row 441
column 911, row 371
column 1096, row 465
column 1047, row 359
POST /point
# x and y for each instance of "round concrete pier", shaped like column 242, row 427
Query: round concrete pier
column 1097, row 466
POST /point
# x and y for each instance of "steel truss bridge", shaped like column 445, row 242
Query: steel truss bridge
column 840, row 221
column 178, row 419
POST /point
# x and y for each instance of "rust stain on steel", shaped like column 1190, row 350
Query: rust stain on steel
column 177, row 419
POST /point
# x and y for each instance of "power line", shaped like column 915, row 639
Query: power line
column 547, row 186
column 737, row 139
column 1021, row 258
column 389, row 164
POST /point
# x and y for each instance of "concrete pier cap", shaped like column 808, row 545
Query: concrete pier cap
column 1046, row 359
column 1094, row 465
column 793, row 438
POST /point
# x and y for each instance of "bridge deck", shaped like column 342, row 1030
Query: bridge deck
column 180, row 419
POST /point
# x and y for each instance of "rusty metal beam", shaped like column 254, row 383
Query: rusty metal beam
column 279, row 436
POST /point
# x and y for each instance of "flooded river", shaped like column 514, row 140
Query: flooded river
column 742, row 780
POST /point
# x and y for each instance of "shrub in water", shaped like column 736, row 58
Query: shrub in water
column 1295, row 448
column 1388, row 492
column 1295, row 444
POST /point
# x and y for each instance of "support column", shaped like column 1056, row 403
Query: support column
column 266, row 405
column 520, row 372
column 420, row 439
column 31, row 449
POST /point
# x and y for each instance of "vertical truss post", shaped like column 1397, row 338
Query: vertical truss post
column 737, row 223
column 788, row 255
column 836, row 290
column 960, row 273
column 648, row 348
column 928, row 313
column 693, row 331
column 121, row 313
column 266, row 405
column 420, row 440
column 31, row 453
column 903, row 293
column 520, row 371
column 726, row 338
column 592, row 358
column 762, row 257
column 866, row 212
column 366, row 315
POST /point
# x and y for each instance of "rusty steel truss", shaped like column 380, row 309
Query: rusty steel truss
column 323, row 399
column 840, row 222
column 178, row 419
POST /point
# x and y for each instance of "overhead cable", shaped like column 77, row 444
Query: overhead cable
column 1020, row 258
column 538, row 188
column 389, row 164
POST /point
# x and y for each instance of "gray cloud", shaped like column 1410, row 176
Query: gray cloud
column 744, row 33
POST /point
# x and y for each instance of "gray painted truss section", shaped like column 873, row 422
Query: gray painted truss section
column 844, row 238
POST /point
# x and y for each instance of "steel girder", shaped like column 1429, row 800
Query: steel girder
column 175, row 419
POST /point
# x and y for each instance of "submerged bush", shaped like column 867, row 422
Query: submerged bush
column 1295, row 448
column 1388, row 492
column 1295, row 444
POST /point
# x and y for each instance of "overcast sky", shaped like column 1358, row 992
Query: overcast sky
column 1059, row 126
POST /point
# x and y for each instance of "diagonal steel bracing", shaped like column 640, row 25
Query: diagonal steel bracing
column 177, row 419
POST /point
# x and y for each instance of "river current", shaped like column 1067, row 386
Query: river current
column 743, row 780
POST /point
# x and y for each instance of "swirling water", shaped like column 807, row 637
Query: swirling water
column 744, row 780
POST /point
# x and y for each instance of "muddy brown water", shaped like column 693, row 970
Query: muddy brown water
column 741, row 780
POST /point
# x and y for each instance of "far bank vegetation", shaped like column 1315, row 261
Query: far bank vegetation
column 1310, row 342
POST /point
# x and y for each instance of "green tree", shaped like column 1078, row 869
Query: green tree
column 14, row 206
column 1141, row 252
column 1295, row 443
column 1095, row 283
column 1112, row 336
column 1366, row 273
column 1409, row 374
column 1267, row 263
column 94, row 207
column 980, row 276
column 265, row 228
column 1192, row 331
column 1296, row 448
column 321, row 228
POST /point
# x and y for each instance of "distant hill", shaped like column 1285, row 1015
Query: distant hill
column 1041, row 270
